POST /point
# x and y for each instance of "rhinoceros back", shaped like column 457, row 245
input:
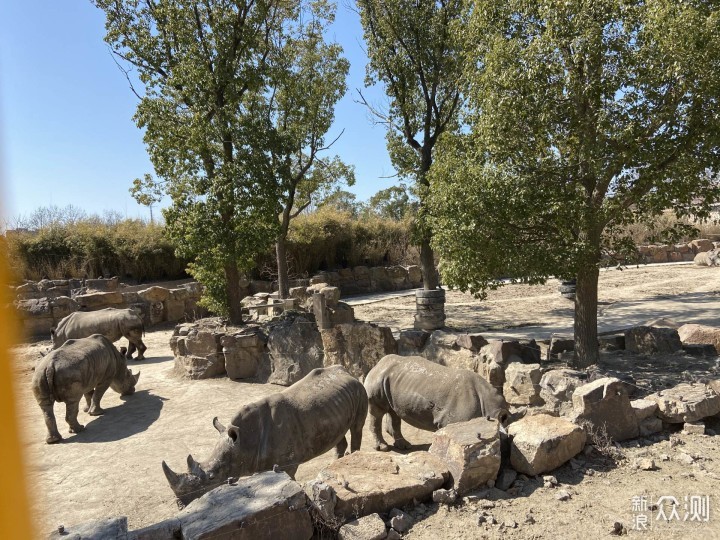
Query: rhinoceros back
column 305, row 420
column 430, row 396
column 112, row 323
column 76, row 366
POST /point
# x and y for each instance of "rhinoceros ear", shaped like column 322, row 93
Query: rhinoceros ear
column 234, row 433
column 221, row 429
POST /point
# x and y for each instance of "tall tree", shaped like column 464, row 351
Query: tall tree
column 584, row 117
column 415, row 52
column 307, row 81
column 200, row 64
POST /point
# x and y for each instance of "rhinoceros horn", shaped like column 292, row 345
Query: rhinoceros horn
column 172, row 478
column 221, row 429
column 194, row 467
column 136, row 377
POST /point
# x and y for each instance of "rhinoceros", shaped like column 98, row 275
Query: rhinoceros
column 426, row 395
column 707, row 258
column 281, row 431
column 112, row 323
column 80, row 367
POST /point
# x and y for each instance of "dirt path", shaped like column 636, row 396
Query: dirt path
column 113, row 467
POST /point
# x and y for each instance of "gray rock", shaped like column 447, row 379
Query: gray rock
column 411, row 342
column 522, row 384
column 295, row 348
column 471, row 451
column 400, row 521
column 652, row 340
column 357, row 347
column 605, row 404
column 168, row 529
column 686, row 402
column 644, row 408
column 266, row 505
column 370, row 527
column 444, row 496
column 505, row 478
column 101, row 529
column 541, row 443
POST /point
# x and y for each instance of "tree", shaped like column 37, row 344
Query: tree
column 147, row 191
column 203, row 64
column 307, row 80
column 343, row 201
column 415, row 52
column 394, row 203
column 583, row 117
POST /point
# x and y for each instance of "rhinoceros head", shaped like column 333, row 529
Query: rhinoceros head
column 224, row 462
column 124, row 383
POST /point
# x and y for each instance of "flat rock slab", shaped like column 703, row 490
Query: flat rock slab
column 101, row 529
column 686, row 402
column 699, row 334
column 370, row 527
column 267, row 505
column 605, row 404
column 644, row 408
column 541, row 443
column 366, row 482
column 471, row 451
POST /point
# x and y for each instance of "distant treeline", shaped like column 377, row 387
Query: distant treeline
column 63, row 243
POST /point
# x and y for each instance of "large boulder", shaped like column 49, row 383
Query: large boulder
column 522, row 384
column 154, row 294
column 557, row 386
column 266, row 505
column 699, row 334
column 99, row 300
column 370, row 527
column 295, row 349
column 471, row 451
column 357, row 347
column 701, row 244
column 443, row 348
column 605, row 405
column 412, row 342
column 541, row 443
column 686, row 402
column 652, row 340
column 244, row 352
column 376, row 482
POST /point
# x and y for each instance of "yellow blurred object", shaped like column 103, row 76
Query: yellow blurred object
column 14, row 508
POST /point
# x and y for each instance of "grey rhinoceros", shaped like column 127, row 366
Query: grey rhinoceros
column 427, row 396
column 112, row 323
column 80, row 367
column 284, row 430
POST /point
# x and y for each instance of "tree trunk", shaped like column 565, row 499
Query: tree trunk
column 427, row 264
column 232, row 287
column 586, row 301
column 283, row 282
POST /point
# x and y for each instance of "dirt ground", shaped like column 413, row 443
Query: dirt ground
column 113, row 467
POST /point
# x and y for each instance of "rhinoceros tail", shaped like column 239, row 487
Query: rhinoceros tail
column 49, row 380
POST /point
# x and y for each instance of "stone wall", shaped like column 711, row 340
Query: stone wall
column 41, row 305
column 659, row 253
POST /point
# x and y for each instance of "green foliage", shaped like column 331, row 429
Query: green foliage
column 394, row 202
column 584, row 118
column 91, row 247
column 342, row 201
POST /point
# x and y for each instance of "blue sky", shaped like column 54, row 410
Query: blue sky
column 66, row 129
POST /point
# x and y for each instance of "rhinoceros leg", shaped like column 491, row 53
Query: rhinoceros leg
column 341, row 447
column 49, row 416
column 95, row 409
column 392, row 428
column 134, row 337
column 376, row 415
column 131, row 350
column 356, row 433
column 71, row 413
column 88, row 398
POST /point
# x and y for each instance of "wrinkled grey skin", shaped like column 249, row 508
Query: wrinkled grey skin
column 708, row 258
column 80, row 367
column 112, row 323
column 427, row 396
column 284, row 429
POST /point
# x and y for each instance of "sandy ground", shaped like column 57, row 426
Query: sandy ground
column 113, row 467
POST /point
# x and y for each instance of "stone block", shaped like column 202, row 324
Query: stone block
column 367, row 482
column 174, row 306
column 399, row 277
column 243, row 354
column 100, row 529
column 341, row 313
column 472, row 342
column 168, row 529
column 471, row 452
column 154, row 294
column 560, row 344
column 157, row 312
column 699, row 334
column 541, row 443
column 357, row 347
column 652, row 340
column 415, row 276
column 370, row 527
column 266, row 505
column 102, row 285
column 686, row 402
column 701, row 244
column 332, row 295
column 694, row 428
column 557, row 386
column 295, row 348
column 644, row 408
column 200, row 367
column 501, row 352
column 201, row 342
column 62, row 306
column 99, row 300
column 494, row 373
column 612, row 342
column 443, row 349
column 650, row 425
column 411, row 342
column 522, row 384
column 605, row 404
